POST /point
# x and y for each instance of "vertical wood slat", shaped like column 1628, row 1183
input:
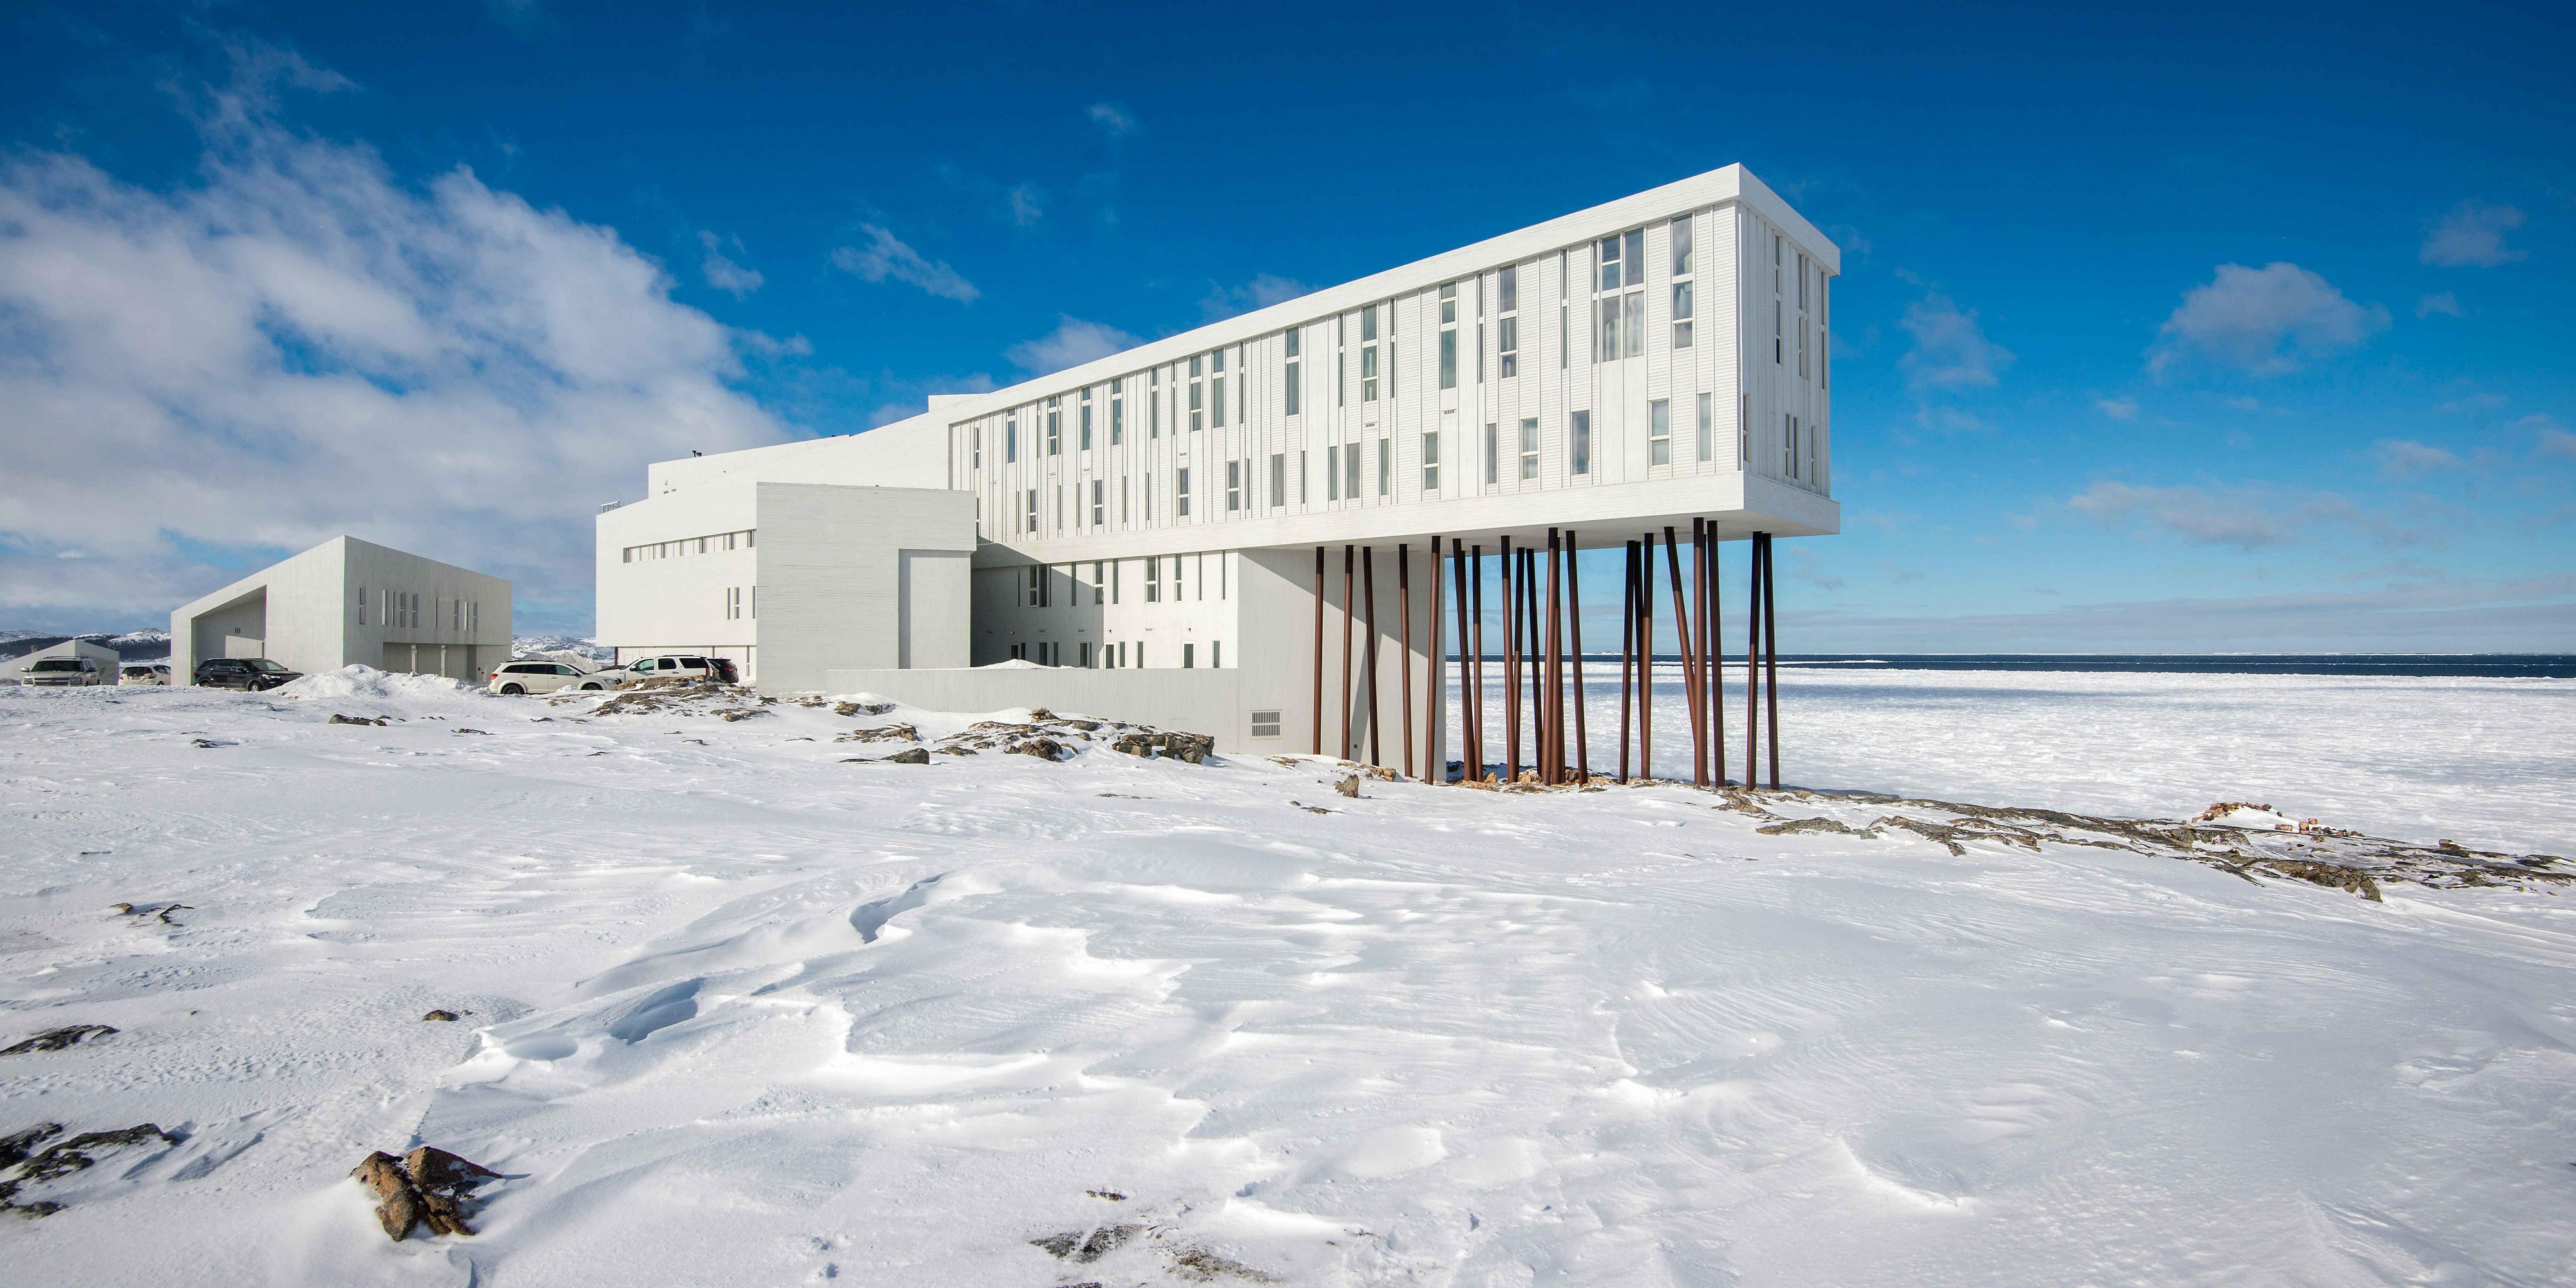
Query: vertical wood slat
column 1690, row 667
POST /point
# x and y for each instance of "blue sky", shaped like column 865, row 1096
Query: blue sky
column 2173, row 329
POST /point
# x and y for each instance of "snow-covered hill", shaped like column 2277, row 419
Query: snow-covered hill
column 741, row 1002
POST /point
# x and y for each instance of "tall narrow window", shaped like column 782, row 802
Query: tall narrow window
column 1055, row 428
column 1181, row 492
column 1333, row 473
column 1233, row 486
column 1682, row 247
column 1564, row 335
column 1368, row 354
column 1608, row 255
column 1431, row 461
column 975, row 438
column 1216, row 383
column 1117, row 413
column 1449, row 336
column 1681, row 315
column 1529, row 449
column 1153, row 584
column 1099, row 584
column 1492, row 456
column 1707, row 429
column 1288, row 384
column 1507, row 288
column 1580, row 454
column 1507, row 343
column 1010, row 441
column 1278, row 479
column 1605, row 331
column 1789, row 445
column 1385, row 466
column 1198, row 406
column 1351, row 471
column 1033, row 511
column 1659, row 432
column 1099, row 503
column 1633, row 327
column 1036, row 585
column 1085, row 428
column 1154, row 403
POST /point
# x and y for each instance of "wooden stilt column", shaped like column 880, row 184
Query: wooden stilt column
column 1771, row 656
column 1702, row 754
column 1753, row 664
column 1435, row 672
column 1511, row 663
column 1471, row 668
column 1575, row 635
column 1404, row 628
column 1690, row 663
column 1319, row 650
column 1350, row 555
column 1532, row 654
column 1646, row 658
column 1627, row 652
column 1552, row 767
column 1713, row 647
column 1376, row 645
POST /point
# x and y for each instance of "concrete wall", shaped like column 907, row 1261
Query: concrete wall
column 671, row 595
column 832, row 579
column 1182, row 700
column 1278, row 657
column 328, row 607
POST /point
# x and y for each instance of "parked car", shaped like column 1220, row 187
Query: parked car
column 60, row 672
column 144, row 673
column 690, row 666
column 253, row 674
column 546, row 677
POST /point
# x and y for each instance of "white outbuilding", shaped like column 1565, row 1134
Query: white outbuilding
column 99, row 655
column 350, row 601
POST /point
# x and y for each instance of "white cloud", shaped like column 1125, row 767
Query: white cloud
column 2472, row 236
column 1950, row 350
column 294, row 345
column 2210, row 517
column 2403, row 458
column 1114, row 120
column 1072, row 343
column 2442, row 302
column 1261, row 292
column 2265, row 320
column 2477, row 402
column 886, row 256
column 1026, row 204
column 2554, row 441
column 723, row 273
column 2118, row 408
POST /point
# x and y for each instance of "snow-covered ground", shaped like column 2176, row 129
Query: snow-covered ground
column 739, row 1011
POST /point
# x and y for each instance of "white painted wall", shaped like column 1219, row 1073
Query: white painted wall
column 343, row 602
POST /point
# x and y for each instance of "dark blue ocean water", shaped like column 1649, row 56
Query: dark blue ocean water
column 2559, row 666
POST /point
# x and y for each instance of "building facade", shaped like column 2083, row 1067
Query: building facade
column 348, row 602
column 1191, row 503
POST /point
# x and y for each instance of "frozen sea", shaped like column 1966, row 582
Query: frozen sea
column 739, row 1010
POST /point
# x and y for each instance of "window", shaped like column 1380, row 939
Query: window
column 1333, row 473
column 1431, row 461
column 1301, row 477
column 1659, row 432
column 1233, row 486
column 1099, row 503
column 1099, row 584
column 1153, row 582
column 1682, row 247
column 1117, row 412
column 1789, row 445
column 1529, row 448
column 1010, row 441
column 1634, row 328
column 1154, row 403
column 975, row 441
column 1035, row 586
column 1490, row 455
column 1288, row 386
column 1216, row 654
column 1385, row 466
column 1707, row 429
column 1198, row 409
column 1608, row 255
column 1605, row 332
column 1217, row 388
column 1581, row 451
column 1085, row 428
column 1055, row 428
column 1351, row 471
column 1368, row 374
column 1744, row 429
column 1682, row 315
column 1278, row 479
column 1564, row 336
column 1449, row 336
column 1507, row 288
column 1033, row 511
column 1181, row 492
column 1507, row 342
column 1775, row 332
column 1176, row 579
column 1188, row 651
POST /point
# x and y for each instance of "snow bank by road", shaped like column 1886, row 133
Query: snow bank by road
column 742, row 1004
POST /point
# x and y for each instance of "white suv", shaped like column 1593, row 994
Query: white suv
column 57, row 671
column 682, row 666
column 546, row 677
column 144, row 673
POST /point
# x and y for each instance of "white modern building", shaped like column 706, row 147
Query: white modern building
column 106, row 659
column 350, row 601
column 1167, row 529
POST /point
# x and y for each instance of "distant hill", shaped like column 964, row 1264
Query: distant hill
column 133, row 646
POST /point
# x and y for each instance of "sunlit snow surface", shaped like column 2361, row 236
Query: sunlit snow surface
column 745, row 1014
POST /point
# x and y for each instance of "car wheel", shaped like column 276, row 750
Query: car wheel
column 514, row 690
column 590, row 688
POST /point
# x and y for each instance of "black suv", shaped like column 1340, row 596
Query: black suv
column 255, row 674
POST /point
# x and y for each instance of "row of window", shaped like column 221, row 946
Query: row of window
column 1165, row 577
column 717, row 544
column 1115, row 654
column 407, row 610
column 735, row 602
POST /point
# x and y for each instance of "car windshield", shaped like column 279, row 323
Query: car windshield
column 263, row 664
column 56, row 664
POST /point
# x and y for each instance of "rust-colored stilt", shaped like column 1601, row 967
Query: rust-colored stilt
column 1404, row 628
column 1319, row 651
column 1511, row 664
column 1753, row 664
column 1350, row 557
column 1713, row 647
column 1376, row 642
column 1575, row 650
column 1541, row 734
column 1470, row 698
column 1627, row 653
column 1554, row 768
column 1435, row 677
column 1690, row 663
column 1476, row 650
column 1646, row 658
column 1771, row 656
